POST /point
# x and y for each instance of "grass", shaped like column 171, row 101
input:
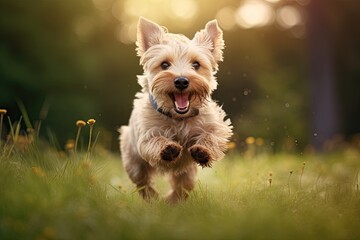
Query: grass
column 47, row 195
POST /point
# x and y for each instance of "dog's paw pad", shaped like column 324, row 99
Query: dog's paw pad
column 201, row 156
column 170, row 153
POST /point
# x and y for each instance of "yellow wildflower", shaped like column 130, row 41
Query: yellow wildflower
column 80, row 123
column 250, row 140
column 91, row 121
column 38, row 171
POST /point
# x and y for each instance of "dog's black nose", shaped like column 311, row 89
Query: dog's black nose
column 181, row 83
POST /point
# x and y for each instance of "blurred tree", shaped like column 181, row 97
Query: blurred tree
column 346, row 50
column 264, row 87
column 68, row 54
column 64, row 52
column 40, row 57
column 324, row 101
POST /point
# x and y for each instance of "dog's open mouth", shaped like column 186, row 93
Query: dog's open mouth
column 181, row 101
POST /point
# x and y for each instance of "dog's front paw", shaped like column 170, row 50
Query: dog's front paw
column 201, row 155
column 170, row 152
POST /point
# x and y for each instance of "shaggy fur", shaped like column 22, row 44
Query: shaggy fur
column 173, row 128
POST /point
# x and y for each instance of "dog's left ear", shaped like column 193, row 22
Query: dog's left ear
column 211, row 37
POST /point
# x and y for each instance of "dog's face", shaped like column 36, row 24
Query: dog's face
column 179, row 72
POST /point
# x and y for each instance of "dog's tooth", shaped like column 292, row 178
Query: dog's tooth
column 181, row 109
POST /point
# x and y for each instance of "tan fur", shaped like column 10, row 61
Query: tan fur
column 167, row 141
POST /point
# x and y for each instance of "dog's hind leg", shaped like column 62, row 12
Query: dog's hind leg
column 181, row 184
column 139, row 171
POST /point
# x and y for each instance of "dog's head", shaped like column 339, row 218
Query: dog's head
column 178, row 72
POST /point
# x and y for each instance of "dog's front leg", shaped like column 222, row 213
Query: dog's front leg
column 207, row 148
column 159, row 148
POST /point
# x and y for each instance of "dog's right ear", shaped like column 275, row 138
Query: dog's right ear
column 148, row 34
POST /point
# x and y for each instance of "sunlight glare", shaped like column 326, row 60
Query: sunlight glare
column 136, row 7
column 126, row 34
column 273, row 1
column 226, row 18
column 116, row 9
column 183, row 9
column 128, row 12
column 288, row 17
column 254, row 13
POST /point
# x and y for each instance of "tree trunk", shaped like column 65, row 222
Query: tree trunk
column 324, row 113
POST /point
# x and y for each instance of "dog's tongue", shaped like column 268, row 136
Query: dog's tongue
column 181, row 101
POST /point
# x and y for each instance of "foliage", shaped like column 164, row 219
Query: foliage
column 46, row 60
column 47, row 195
column 60, row 61
column 66, row 55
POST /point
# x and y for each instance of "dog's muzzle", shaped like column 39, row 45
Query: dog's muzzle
column 181, row 99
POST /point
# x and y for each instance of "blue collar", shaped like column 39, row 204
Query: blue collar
column 156, row 107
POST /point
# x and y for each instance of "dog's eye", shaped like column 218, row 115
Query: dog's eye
column 165, row 65
column 195, row 65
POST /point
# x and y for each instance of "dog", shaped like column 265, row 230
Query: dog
column 175, row 125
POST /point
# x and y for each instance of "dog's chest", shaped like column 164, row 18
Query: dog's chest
column 182, row 131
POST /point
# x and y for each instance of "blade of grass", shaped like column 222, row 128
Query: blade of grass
column 94, row 143
column 43, row 114
column 24, row 113
column 53, row 140
column 14, row 133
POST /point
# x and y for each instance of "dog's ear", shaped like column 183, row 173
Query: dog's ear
column 148, row 34
column 211, row 37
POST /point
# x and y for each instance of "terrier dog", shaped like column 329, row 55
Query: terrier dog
column 175, row 125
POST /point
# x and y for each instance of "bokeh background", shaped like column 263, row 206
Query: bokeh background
column 290, row 80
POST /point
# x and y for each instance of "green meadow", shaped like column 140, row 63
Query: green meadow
column 47, row 194
column 289, row 83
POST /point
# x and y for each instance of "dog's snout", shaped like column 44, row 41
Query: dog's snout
column 181, row 83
